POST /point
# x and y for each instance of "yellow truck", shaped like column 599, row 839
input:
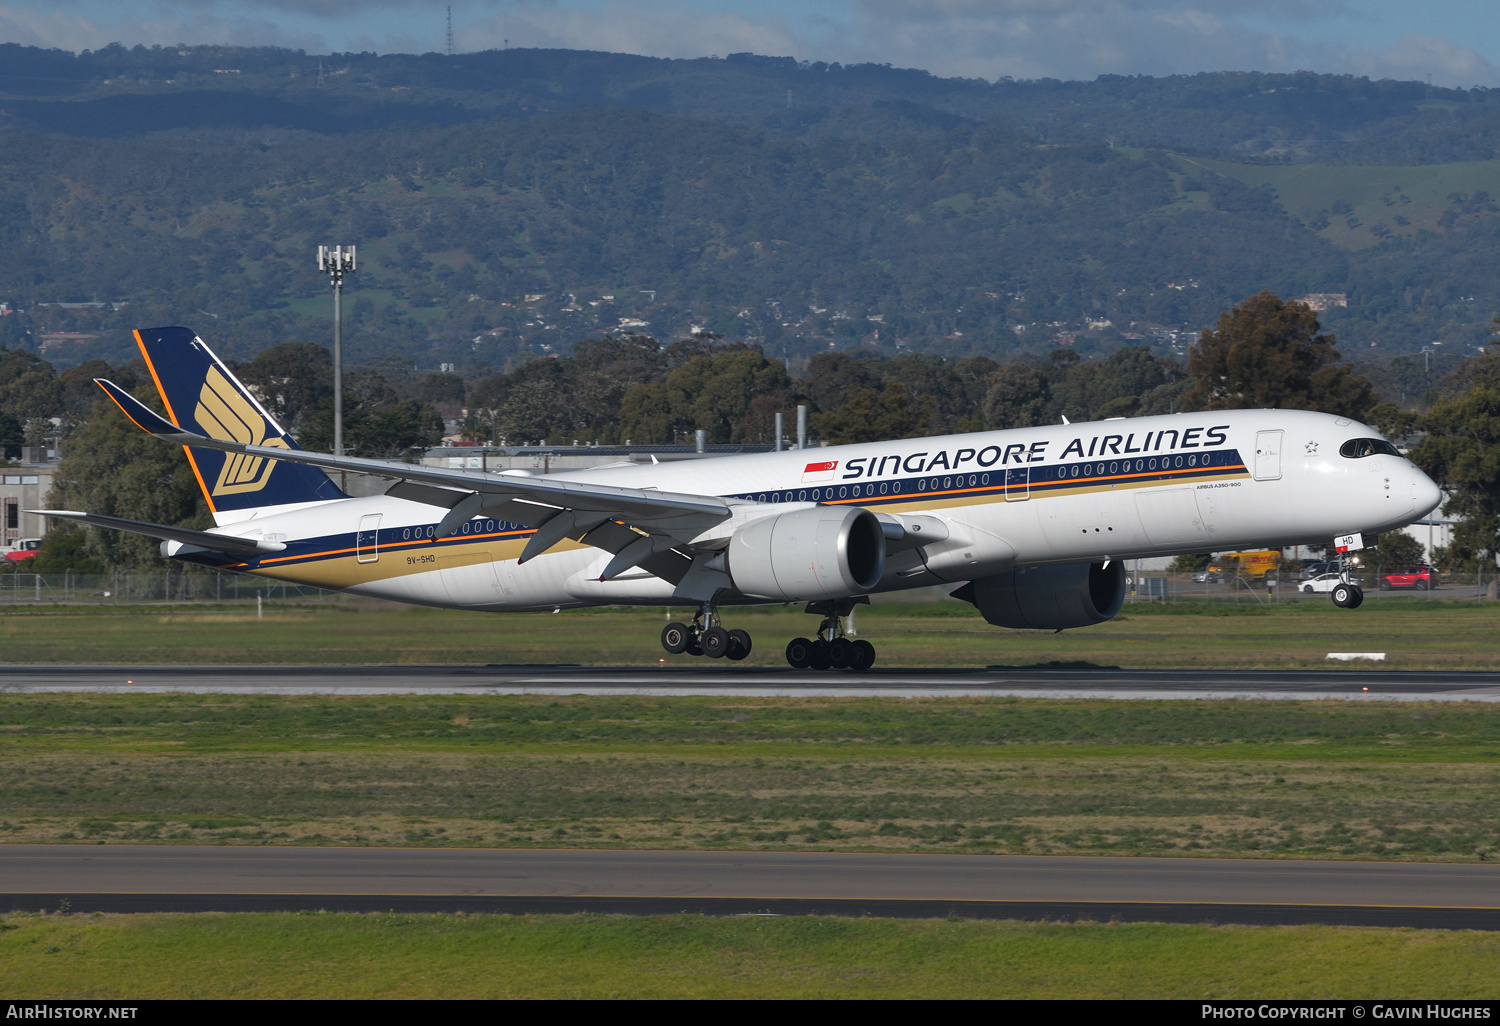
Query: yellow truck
column 1252, row 566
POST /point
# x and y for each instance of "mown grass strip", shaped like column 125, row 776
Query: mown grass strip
column 1269, row 779
column 1415, row 633
column 432, row 956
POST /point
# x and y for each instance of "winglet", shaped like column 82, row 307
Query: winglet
column 140, row 414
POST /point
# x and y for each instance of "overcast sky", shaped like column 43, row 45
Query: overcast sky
column 1456, row 42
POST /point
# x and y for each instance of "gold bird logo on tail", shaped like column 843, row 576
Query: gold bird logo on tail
column 228, row 416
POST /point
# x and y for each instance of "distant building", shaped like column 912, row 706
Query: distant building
column 1321, row 301
column 21, row 488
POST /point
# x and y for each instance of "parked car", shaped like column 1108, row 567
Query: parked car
column 1419, row 577
column 1207, row 576
column 1313, row 570
column 24, row 549
column 1322, row 583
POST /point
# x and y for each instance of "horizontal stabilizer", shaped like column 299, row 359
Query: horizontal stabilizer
column 186, row 535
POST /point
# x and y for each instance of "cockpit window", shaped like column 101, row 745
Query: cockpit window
column 1359, row 448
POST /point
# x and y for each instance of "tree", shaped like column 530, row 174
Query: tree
column 1190, row 563
column 290, row 380
column 1018, row 396
column 868, row 416
column 1461, row 452
column 114, row 468
column 1269, row 354
column 1397, row 549
column 12, row 436
column 377, row 424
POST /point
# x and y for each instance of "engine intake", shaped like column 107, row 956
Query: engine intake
column 1049, row 597
column 823, row 553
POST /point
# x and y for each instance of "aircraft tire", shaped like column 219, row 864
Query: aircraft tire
column 1343, row 596
column 715, row 642
column 1358, row 598
column 739, row 644
column 861, row 655
column 675, row 638
column 818, row 660
column 799, row 653
column 838, row 654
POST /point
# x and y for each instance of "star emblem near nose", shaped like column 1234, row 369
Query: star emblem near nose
column 1311, row 449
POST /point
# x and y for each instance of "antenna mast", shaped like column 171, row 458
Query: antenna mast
column 450, row 31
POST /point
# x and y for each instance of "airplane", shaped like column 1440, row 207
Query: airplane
column 1032, row 526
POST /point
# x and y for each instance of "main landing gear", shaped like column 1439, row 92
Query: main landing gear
column 831, row 650
column 706, row 636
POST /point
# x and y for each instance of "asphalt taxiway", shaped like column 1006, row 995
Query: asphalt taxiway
column 126, row 878
column 702, row 677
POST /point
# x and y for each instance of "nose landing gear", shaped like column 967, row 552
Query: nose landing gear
column 1348, row 596
column 832, row 649
column 706, row 636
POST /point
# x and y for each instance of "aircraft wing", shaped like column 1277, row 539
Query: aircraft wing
column 186, row 535
column 597, row 514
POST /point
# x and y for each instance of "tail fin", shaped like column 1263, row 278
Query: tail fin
column 203, row 395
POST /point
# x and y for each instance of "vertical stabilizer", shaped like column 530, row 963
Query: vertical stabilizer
column 201, row 394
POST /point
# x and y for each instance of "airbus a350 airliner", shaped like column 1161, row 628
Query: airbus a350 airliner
column 1032, row 525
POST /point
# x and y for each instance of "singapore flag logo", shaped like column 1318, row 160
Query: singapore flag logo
column 819, row 471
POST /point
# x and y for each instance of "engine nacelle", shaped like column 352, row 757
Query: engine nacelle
column 823, row 553
column 1049, row 597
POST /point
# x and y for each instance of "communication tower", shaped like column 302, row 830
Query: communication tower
column 336, row 261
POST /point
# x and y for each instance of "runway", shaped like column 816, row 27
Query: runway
column 134, row 878
column 707, row 678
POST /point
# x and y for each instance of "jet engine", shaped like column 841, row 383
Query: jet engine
column 822, row 553
column 1049, row 597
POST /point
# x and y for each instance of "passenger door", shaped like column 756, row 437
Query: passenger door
column 1017, row 484
column 1268, row 455
column 367, row 539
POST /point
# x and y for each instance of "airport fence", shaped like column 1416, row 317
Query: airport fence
column 1286, row 584
column 208, row 586
column 212, row 586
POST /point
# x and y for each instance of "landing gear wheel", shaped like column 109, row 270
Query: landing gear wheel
column 715, row 642
column 818, row 660
column 675, row 637
column 838, row 653
column 861, row 655
column 1348, row 596
column 739, row 644
column 799, row 653
column 694, row 645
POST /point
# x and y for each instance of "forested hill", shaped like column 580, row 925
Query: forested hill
column 510, row 204
column 1301, row 117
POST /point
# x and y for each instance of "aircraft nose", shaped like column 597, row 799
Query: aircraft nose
column 1425, row 493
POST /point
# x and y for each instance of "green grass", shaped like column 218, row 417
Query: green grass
column 1378, row 194
column 1417, row 633
column 429, row 956
column 1262, row 779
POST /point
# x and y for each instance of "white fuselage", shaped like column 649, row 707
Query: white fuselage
column 1116, row 489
